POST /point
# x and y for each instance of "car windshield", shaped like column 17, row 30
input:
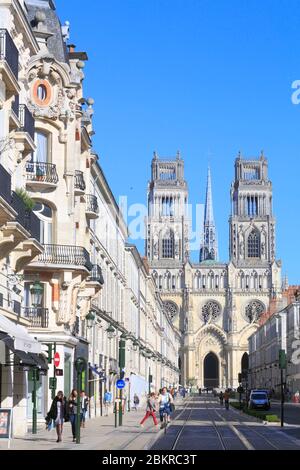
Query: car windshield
column 259, row 396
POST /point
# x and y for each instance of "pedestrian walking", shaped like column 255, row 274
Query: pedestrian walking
column 150, row 410
column 107, row 401
column 200, row 391
column 73, row 412
column 226, row 399
column 124, row 400
column 84, row 402
column 221, row 398
column 164, row 401
column 136, row 401
column 58, row 413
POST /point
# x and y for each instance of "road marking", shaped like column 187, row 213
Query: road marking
column 241, row 436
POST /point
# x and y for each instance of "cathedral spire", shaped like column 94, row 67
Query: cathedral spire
column 209, row 214
column 209, row 247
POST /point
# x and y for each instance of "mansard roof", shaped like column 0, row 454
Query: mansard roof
column 55, row 43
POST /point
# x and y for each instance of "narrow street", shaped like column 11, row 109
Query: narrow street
column 202, row 424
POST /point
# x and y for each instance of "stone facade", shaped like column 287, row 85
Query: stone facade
column 216, row 306
column 280, row 331
column 72, row 241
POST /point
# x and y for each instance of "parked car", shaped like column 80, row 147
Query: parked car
column 259, row 399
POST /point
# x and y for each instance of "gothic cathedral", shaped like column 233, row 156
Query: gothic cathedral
column 215, row 306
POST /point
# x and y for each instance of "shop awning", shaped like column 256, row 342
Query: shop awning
column 41, row 361
column 22, row 340
column 22, row 358
column 95, row 370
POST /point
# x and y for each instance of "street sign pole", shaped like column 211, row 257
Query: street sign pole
column 282, row 365
column 122, row 345
column 120, row 409
column 53, row 392
column 282, row 400
column 34, row 410
column 80, row 366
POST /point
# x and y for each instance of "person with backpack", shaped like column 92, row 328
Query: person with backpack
column 150, row 410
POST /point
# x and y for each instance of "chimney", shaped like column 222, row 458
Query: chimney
column 71, row 48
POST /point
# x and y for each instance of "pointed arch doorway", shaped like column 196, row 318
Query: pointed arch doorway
column 211, row 370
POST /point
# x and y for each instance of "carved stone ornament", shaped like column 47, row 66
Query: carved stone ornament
column 62, row 104
column 171, row 308
column 254, row 310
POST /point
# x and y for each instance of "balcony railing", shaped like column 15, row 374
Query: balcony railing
column 79, row 180
column 9, row 52
column 38, row 316
column 26, row 120
column 96, row 275
column 92, row 204
column 33, row 225
column 66, row 255
column 5, row 184
column 43, row 172
column 25, row 217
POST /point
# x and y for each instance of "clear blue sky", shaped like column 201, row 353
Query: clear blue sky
column 206, row 77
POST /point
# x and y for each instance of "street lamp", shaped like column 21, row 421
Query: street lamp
column 90, row 319
column 135, row 345
column 36, row 291
column 110, row 332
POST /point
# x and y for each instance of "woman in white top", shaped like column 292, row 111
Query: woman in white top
column 164, row 400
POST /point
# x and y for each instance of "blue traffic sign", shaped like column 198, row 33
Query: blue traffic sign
column 120, row 383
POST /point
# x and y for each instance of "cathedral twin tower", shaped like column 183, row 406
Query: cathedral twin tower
column 215, row 306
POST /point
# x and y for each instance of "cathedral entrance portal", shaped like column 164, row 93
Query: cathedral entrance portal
column 211, row 371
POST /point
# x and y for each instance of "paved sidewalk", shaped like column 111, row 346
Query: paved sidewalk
column 99, row 433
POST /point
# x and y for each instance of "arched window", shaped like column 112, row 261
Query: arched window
column 168, row 245
column 254, row 245
column 45, row 215
column 168, row 280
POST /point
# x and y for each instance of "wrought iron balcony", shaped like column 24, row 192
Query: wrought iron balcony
column 66, row 255
column 79, row 182
column 26, row 120
column 44, row 173
column 25, row 217
column 92, row 208
column 96, row 275
column 5, row 184
column 9, row 52
column 38, row 316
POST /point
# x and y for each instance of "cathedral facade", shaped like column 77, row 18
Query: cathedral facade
column 215, row 306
